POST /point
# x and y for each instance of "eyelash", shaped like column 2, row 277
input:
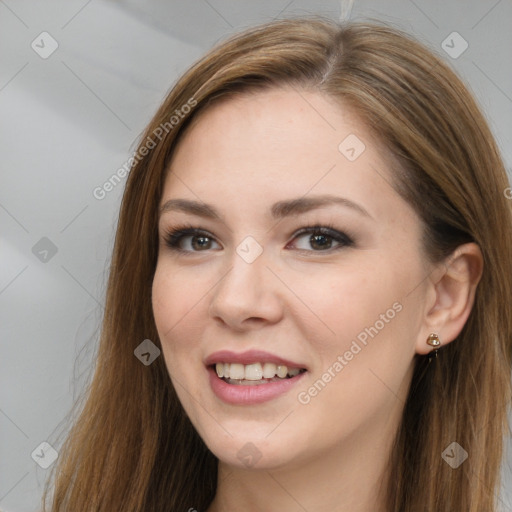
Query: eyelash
column 174, row 237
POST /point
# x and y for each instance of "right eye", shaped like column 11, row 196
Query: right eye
column 199, row 240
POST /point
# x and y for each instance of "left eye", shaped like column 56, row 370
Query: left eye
column 320, row 238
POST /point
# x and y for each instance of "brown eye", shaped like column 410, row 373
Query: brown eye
column 321, row 238
column 199, row 240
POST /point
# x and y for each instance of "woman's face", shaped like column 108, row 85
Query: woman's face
column 313, row 333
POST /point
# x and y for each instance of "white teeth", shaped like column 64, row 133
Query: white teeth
column 236, row 371
column 269, row 370
column 254, row 371
column 282, row 371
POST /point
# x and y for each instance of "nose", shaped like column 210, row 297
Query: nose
column 248, row 295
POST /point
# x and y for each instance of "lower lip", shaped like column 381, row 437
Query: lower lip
column 247, row 395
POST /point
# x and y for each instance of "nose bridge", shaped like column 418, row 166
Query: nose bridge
column 247, row 289
column 245, row 278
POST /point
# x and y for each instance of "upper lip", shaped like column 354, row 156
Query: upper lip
column 248, row 357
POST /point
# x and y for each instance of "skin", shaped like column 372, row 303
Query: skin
column 299, row 301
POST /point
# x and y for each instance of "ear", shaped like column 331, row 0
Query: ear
column 452, row 289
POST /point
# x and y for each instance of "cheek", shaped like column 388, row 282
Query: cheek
column 362, row 368
column 176, row 305
column 369, row 321
column 348, row 300
column 179, row 311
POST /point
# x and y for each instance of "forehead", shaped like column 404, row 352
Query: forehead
column 267, row 121
column 262, row 146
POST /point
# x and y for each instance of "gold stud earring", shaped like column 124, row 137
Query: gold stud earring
column 434, row 341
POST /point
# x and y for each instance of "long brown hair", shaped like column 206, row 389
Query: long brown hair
column 132, row 448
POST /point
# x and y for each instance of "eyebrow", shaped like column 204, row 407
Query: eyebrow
column 278, row 210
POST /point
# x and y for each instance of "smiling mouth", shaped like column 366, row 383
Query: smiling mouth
column 254, row 374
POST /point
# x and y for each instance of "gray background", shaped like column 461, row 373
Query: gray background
column 71, row 120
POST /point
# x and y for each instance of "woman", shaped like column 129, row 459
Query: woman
column 315, row 235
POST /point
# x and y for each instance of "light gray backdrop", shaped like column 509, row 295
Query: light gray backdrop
column 70, row 115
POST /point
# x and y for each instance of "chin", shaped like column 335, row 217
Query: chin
column 253, row 452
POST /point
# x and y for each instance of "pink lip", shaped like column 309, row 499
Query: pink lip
column 248, row 395
column 249, row 357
